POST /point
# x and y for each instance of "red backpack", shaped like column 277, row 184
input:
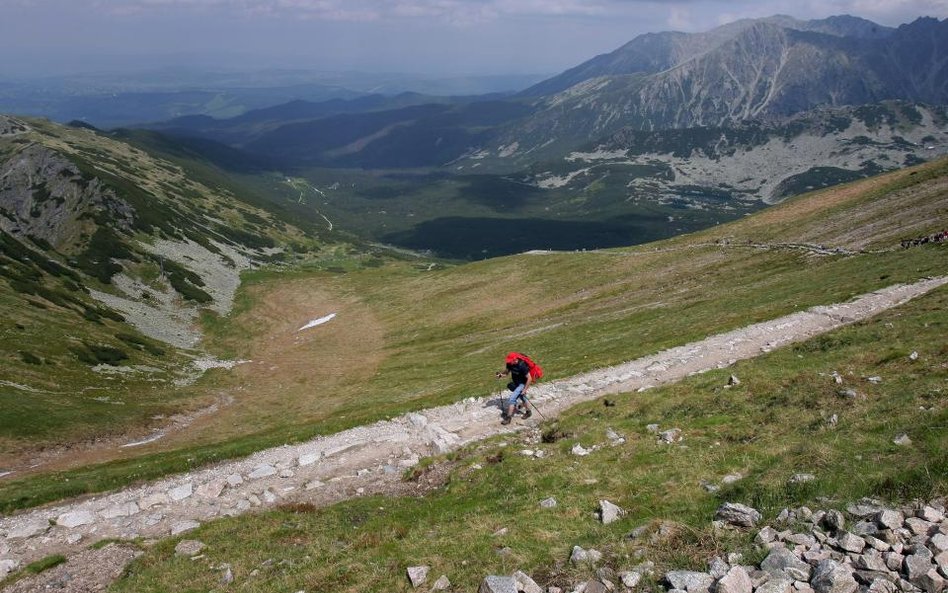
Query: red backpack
column 536, row 371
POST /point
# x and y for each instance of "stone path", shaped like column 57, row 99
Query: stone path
column 351, row 461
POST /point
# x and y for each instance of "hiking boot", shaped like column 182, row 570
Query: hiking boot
column 506, row 420
column 527, row 414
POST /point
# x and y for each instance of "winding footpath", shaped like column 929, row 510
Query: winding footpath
column 359, row 460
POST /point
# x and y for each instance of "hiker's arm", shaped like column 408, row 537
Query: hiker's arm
column 528, row 383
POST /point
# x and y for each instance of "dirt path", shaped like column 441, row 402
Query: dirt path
column 372, row 458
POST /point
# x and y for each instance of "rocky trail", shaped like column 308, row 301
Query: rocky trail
column 372, row 458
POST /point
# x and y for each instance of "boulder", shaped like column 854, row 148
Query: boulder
column 498, row 584
column 609, row 512
column 776, row 584
column 737, row 514
column 525, row 584
column 781, row 562
column 630, row 578
column 735, row 581
column 930, row 514
column 211, row 489
column 850, row 542
column 831, row 577
column 418, row 575
column 690, row 581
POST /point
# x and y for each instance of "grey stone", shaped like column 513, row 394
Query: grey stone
column 931, row 582
column 883, row 586
column 889, row 519
column 235, row 480
column 766, row 535
column 863, row 509
column 718, row 567
column 782, row 562
column 595, row 586
column 876, row 543
column 228, row 575
column 893, row 561
column 801, row 539
column 498, row 584
column 418, row 574
column 180, row 492
column 864, row 528
column 916, row 565
column 930, row 514
column 803, row 587
column 775, row 584
column 630, row 578
column 652, row 428
column 262, row 471
column 579, row 555
column 75, row 519
column 732, row 478
column 939, row 542
column 548, row 503
column 902, row 440
column 942, row 561
column 850, row 542
column 831, row 577
column 871, row 560
column 525, row 583
column 733, row 380
column 183, row 526
column 212, row 489
column 608, row 512
column 28, row 529
column 920, row 526
column 691, row 581
column 834, row 520
column 737, row 514
column 188, row 547
column 735, row 581
column 442, row 584
column 672, row 435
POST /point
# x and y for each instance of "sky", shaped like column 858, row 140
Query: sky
column 435, row 37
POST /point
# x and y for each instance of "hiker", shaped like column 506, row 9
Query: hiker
column 523, row 373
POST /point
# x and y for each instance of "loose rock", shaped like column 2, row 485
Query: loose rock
column 737, row 514
column 418, row 574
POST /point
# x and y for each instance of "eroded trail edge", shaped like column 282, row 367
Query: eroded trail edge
column 365, row 459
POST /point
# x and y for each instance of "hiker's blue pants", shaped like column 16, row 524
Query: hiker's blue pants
column 517, row 394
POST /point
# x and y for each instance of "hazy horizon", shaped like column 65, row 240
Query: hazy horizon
column 436, row 38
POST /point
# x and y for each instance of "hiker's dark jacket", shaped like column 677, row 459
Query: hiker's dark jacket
column 518, row 372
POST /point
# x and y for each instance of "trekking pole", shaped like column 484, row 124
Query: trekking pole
column 529, row 401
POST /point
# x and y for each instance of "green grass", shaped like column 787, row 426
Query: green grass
column 45, row 564
column 771, row 426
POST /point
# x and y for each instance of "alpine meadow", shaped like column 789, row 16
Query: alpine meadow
column 276, row 329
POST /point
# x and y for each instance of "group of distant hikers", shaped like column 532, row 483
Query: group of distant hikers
column 934, row 238
column 523, row 373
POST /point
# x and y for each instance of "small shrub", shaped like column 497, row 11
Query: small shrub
column 30, row 358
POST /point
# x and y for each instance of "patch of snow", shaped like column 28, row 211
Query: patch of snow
column 150, row 439
column 316, row 322
column 508, row 151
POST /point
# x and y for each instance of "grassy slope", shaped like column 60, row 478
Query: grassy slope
column 574, row 311
column 768, row 428
column 64, row 400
